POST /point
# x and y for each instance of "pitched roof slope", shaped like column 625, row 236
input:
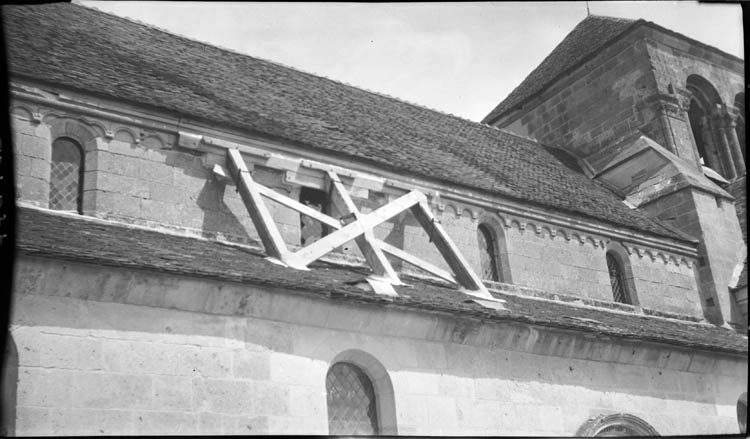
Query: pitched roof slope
column 590, row 35
column 82, row 48
column 86, row 240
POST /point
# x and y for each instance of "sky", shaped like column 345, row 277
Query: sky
column 458, row 58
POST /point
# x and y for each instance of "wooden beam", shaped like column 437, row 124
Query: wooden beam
column 465, row 276
column 262, row 219
column 299, row 207
column 328, row 243
column 417, row 262
column 366, row 242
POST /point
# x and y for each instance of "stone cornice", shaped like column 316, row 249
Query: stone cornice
column 109, row 118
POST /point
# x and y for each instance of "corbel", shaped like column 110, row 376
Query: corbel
column 37, row 117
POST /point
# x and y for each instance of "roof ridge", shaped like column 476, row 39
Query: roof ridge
column 297, row 69
column 610, row 17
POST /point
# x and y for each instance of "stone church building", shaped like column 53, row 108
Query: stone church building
column 211, row 243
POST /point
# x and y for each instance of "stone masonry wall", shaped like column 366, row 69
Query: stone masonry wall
column 127, row 352
column 636, row 84
column 720, row 254
column 569, row 266
column 147, row 182
column 594, row 106
column 673, row 62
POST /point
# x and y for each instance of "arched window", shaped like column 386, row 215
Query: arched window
column 66, row 176
column 352, row 405
column 488, row 254
column 617, row 279
column 717, row 144
column 619, row 425
column 699, row 123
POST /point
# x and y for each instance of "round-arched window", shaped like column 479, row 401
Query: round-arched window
column 617, row 279
column 66, row 176
column 352, row 405
column 487, row 254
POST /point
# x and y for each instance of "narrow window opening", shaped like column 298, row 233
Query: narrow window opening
column 66, row 176
column 352, row 408
column 617, row 280
column 312, row 230
column 487, row 254
column 698, row 124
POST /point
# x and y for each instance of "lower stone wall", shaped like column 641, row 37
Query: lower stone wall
column 110, row 351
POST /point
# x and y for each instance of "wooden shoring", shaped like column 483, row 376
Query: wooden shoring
column 366, row 242
column 361, row 230
column 262, row 219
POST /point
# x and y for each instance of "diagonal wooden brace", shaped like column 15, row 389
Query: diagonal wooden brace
column 353, row 230
column 465, row 276
column 424, row 265
column 256, row 207
column 299, row 207
column 366, row 242
column 360, row 230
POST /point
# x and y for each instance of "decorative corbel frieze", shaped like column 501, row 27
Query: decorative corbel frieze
column 659, row 255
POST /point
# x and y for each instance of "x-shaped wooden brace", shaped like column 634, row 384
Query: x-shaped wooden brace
column 359, row 229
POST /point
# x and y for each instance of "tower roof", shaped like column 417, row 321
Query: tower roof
column 585, row 40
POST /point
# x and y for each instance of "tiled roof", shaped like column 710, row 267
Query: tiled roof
column 77, row 238
column 77, row 47
column 585, row 40
column 738, row 190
